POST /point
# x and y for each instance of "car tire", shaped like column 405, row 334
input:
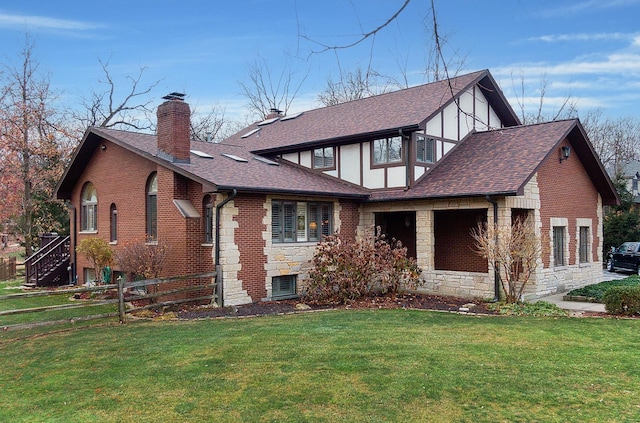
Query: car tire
column 610, row 266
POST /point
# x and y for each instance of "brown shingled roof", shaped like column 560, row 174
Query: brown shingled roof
column 385, row 113
column 501, row 162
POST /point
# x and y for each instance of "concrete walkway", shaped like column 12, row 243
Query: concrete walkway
column 578, row 306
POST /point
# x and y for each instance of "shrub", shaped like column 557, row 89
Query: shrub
column 142, row 260
column 98, row 252
column 596, row 292
column 345, row 271
column 624, row 300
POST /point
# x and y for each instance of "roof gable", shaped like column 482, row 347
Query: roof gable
column 376, row 115
column 501, row 162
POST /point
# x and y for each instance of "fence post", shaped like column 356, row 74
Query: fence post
column 121, row 309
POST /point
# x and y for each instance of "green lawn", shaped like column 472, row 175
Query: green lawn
column 336, row 366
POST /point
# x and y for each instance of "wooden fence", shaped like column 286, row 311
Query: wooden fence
column 7, row 268
column 129, row 296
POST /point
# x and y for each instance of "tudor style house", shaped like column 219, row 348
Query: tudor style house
column 426, row 164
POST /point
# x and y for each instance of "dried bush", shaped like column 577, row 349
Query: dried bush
column 345, row 271
column 142, row 260
column 512, row 251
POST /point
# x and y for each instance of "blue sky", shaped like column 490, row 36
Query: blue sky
column 588, row 49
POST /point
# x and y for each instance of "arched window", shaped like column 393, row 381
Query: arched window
column 207, row 212
column 152, row 207
column 89, row 208
column 113, row 224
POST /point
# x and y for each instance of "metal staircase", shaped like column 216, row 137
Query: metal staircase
column 50, row 264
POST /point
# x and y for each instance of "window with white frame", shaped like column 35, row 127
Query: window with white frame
column 283, row 286
column 559, row 240
column 300, row 221
column 323, row 158
column 89, row 209
column 387, row 150
column 425, row 149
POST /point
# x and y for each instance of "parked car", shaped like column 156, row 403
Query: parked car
column 625, row 258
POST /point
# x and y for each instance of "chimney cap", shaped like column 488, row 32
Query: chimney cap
column 174, row 96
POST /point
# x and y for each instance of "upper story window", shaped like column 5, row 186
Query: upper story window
column 387, row 150
column 298, row 221
column 113, row 223
column 152, row 207
column 323, row 158
column 207, row 212
column 89, row 208
column 425, row 149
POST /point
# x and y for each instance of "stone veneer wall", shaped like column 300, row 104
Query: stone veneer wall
column 440, row 282
column 290, row 258
column 234, row 294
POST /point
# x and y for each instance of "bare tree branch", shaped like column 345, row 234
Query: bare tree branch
column 363, row 36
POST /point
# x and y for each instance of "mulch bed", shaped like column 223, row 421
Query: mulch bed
column 407, row 301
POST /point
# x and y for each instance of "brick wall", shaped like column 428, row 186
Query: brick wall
column 120, row 178
column 453, row 242
column 250, row 242
column 174, row 129
column 566, row 191
column 349, row 219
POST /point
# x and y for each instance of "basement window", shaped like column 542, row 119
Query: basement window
column 283, row 287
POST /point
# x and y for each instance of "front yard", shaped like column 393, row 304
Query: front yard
column 346, row 365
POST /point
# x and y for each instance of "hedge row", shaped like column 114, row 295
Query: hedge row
column 623, row 300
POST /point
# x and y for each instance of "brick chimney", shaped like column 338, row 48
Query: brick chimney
column 174, row 134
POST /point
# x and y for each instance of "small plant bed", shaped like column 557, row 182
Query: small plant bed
column 595, row 293
column 389, row 301
column 537, row 309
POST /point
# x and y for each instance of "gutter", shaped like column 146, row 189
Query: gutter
column 73, row 277
column 219, row 282
column 496, row 270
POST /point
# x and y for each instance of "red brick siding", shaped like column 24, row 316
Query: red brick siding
column 567, row 191
column 453, row 241
column 174, row 129
column 120, row 178
column 248, row 238
column 349, row 219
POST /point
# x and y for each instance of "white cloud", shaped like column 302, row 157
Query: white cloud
column 603, row 36
column 585, row 6
column 8, row 20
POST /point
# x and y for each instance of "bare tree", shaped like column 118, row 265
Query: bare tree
column 108, row 109
column 209, row 127
column 35, row 149
column 266, row 90
column 512, row 251
column 617, row 141
column 353, row 86
column 566, row 109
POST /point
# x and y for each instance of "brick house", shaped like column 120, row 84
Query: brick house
column 426, row 164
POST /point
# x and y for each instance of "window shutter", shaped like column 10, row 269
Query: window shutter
column 276, row 221
column 289, row 212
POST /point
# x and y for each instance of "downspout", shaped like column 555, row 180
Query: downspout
column 496, row 270
column 72, row 268
column 219, row 286
column 405, row 147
